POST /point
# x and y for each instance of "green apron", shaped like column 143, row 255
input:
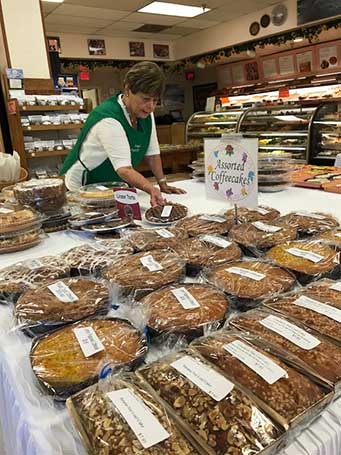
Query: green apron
column 138, row 140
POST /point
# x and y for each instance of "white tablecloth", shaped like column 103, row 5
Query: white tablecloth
column 33, row 425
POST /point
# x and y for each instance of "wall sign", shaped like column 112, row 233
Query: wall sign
column 328, row 57
column 304, row 62
column 286, row 64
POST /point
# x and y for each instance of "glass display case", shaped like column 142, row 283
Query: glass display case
column 280, row 128
column 325, row 134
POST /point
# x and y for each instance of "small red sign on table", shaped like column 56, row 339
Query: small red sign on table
column 127, row 203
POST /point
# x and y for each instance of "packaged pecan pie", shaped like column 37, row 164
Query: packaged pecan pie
column 331, row 238
column 209, row 407
column 263, row 213
column 288, row 396
column 166, row 214
column 73, row 357
column 308, row 223
column 185, row 309
column 153, row 239
column 117, row 416
column 205, row 224
column 14, row 217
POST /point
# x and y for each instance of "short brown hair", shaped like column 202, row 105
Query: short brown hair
column 145, row 77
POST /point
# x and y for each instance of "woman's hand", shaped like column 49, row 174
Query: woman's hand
column 168, row 189
column 156, row 198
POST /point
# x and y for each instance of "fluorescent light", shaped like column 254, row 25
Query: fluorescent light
column 54, row 1
column 173, row 9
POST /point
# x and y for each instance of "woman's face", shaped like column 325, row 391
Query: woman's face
column 140, row 104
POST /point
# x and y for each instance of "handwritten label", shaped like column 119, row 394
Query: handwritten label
column 150, row 263
column 102, row 188
column 5, row 211
column 309, row 255
column 164, row 233
column 212, row 218
column 266, row 227
column 315, row 216
column 217, row 241
column 336, row 286
column 258, row 362
column 291, row 332
column 140, row 419
column 204, row 377
column 34, row 264
column 62, row 292
column 319, row 307
column 246, row 273
column 88, row 341
column 185, row 298
column 166, row 211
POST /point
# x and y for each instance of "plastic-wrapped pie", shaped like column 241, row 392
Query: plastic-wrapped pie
column 185, row 308
column 68, row 300
column 308, row 259
column 166, row 214
column 332, row 238
column 310, row 222
column 318, row 306
column 99, row 191
column 20, row 240
column 250, row 281
column 90, row 217
column 311, row 351
column 71, row 358
column 17, row 218
column 109, row 428
column 205, row 224
column 109, row 226
column 145, row 270
column 94, row 257
column 285, row 393
column 216, row 414
column 263, row 213
column 46, row 195
column 151, row 239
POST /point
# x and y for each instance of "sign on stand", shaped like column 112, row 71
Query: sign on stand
column 231, row 170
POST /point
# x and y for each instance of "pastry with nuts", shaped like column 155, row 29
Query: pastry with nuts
column 309, row 223
column 263, row 213
column 153, row 239
column 17, row 218
column 205, row 224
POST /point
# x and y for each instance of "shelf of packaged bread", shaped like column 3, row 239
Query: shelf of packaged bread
column 40, row 108
column 46, row 154
column 53, row 127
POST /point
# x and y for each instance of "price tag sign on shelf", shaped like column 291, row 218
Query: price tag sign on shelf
column 231, row 170
column 127, row 203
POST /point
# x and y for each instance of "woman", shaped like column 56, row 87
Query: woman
column 119, row 134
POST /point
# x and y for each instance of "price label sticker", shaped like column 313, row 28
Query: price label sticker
column 212, row 218
column 5, row 211
column 34, row 264
column 217, row 241
column 62, row 292
column 88, row 341
column 319, row 307
column 315, row 216
column 165, row 233
column 102, row 188
column 309, row 255
column 185, row 298
column 336, row 286
column 246, row 273
column 150, row 263
column 262, row 211
column 166, row 211
column 338, row 234
column 266, row 227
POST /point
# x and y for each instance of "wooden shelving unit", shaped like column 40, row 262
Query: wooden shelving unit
column 33, row 155
column 50, row 108
column 70, row 126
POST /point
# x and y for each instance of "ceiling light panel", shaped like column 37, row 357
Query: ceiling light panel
column 173, row 9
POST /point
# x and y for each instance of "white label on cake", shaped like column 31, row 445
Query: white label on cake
column 5, row 211
column 338, row 234
column 212, row 218
column 88, row 341
column 185, row 298
column 204, row 377
column 98, row 246
column 246, row 273
column 34, row 264
column 138, row 416
column 150, row 263
column 62, row 292
column 336, row 286
column 93, row 213
column 313, row 257
column 311, row 215
column 164, row 233
column 258, row 362
column 102, row 188
column 266, row 227
column 291, row 332
column 319, row 307
column 262, row 211
column 217, row 241
column 166, row 211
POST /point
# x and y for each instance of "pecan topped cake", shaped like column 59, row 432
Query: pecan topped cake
column 152, row 239
column 166, row 214
column 263, row 213
column 310, row 222
column 205, row 224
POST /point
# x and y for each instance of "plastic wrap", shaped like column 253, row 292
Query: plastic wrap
column 274, row 171
column 310, row 351
column 14, row 218
column 321, row 311
column 99, row 192
column 71, row 299
column 94, row 257
column 73, row 357
column 169, row 213
column 185, row 309
column 249, row 282
column 109, row 226
column 206, row 251
column 284, row 393
column 215, row 413
column 57, row 221
column 105, row 430
column 205, row 224
column 263, row 213
column 309, row 223
column 46, row 195
column 20, row 240
column 161, row 267
column 151, row 239
column 90, row 217
column 331, row 238
column 309, row 260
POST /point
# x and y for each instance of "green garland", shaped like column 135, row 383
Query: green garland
column 311, row 33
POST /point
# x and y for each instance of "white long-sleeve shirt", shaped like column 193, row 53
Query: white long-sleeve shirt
column 107, row 139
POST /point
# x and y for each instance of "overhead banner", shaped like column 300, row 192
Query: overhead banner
column 231, row 170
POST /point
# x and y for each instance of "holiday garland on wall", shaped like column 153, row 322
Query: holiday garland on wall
column 311, row 33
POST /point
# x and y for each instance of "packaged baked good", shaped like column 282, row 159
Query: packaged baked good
column 165, row 214
column 206, row 251
column 99, row 191
column 284, row 393
column 151, row 239
column 45, row 195
column 249, row 282
column 112, row 225
column 218, row 415
column 331, row 238
column 72, row 357
column 205, row 224
column 308, row 223
column 185, row 309
column 307, row 259
column 57, row 221
column 117, row 416
column 20, row 240
column 92, row 258
column 263, row 213
column 92, row 217
column 145, row 270
column 318, row 306
column 307, row 349
column 71, row 299
column 14, row 217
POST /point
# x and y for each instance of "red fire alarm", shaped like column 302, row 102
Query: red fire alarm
column 190, row 76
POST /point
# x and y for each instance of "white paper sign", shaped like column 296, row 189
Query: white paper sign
column 185, row 298
column 212, row 218
column 270, row 68
column 304, row 62
column 338, row 234
column 328, row 57
column 309, row 255
column 165, row 233
column 34, row 264
column 141, row 420
column 204, row 377
column 266, row 227
column 217, row 241
column 286, row 64
column 315, row 216
column 262, row 211
column 150, row 263
column 5, row 211
column 166, row 211
column 246, row 273
column 62, row 292
column 291, row 332
column 231, row 170
column 88, row 341
column 336, row 286
column 258, row 362
column 319, row 307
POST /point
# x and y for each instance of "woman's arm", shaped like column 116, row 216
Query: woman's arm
column 155, row 164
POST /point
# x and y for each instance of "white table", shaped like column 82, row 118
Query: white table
column 33, row 425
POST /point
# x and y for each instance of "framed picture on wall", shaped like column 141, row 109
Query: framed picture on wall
column 53, row 43
column 200, row 93
column 96, row 47
column 136, row 49
column 160, row 50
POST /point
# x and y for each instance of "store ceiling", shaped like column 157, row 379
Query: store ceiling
column 118, row 18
